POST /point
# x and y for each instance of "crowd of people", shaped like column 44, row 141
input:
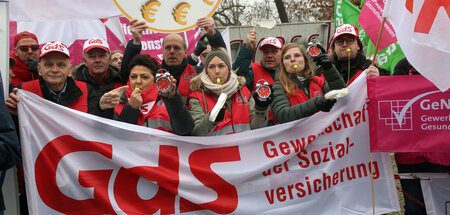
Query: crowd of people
column 181, row 95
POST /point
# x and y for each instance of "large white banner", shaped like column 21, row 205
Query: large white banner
column 50, row 10
column 79, row 163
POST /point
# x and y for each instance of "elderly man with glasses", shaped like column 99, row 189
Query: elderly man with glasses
column 347, row 55
column 26, row 53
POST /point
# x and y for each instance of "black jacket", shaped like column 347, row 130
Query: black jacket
column 360, row 62
column 97, row 90
column 9, row 143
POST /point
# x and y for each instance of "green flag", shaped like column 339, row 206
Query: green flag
column 346, row 12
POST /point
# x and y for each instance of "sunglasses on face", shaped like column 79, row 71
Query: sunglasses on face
column 25, row 48
column 348, row 41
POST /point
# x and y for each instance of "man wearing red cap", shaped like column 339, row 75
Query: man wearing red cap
column 263, row 71
column 26, row 53
column 347, row 51
column 54, row 83
column 98, row 73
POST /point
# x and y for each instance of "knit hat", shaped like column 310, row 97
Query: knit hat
column 222, row 54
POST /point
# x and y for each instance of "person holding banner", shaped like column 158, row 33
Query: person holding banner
column 143, row 104
column 55, row 83
column 26, row 53
column 346, row 50
column 298, row 93
column 98, row 73
column 220, row 103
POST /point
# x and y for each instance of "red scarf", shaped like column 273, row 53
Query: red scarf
column 21, row 72
column 148, row 100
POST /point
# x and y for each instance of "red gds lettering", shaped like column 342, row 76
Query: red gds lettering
column 166, row 176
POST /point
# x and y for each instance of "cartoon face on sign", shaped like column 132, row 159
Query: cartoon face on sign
column 168, row 16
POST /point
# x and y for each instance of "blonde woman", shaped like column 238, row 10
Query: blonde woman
column 298, row 93
column 241, row 112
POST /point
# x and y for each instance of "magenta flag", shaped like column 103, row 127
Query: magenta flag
column 370, row 20
column 408, row 114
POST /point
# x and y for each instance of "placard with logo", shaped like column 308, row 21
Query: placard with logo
column 408, row 114
column 168, row 16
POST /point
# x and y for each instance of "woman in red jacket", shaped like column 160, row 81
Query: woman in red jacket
column 298, row 93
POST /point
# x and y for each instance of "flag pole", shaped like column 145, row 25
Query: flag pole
column 373, row 187
column 378, row 41
column 385, row 11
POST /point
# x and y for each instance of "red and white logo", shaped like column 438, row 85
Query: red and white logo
column 345, row 29
column 95, row 43
column 273, row 41
column 54, row 46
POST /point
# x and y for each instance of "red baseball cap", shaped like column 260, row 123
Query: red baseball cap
column 345, row 29
column 271, row 41
column 95, row 43
column 24, row 35
column 54, row 46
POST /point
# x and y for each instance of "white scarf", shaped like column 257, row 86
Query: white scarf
column 230, row 87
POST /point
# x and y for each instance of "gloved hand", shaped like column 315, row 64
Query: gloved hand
column 32, row 66
column 262, row 104
column 323, row 59
column 201, row 46
column 324, row 104
column 221, row 114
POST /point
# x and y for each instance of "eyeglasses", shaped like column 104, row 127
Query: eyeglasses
column 25, row 48
column 348, row 41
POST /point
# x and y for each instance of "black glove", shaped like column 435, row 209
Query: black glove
column 262, row 104
column 323, row 59
column 324, row 104
column 201, row 46
column 221, row 114
column 32, row 66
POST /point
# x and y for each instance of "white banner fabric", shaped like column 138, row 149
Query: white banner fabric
column 79, row 163
column 65, row 31
column 50, row 10
column 436, row 193
column 427, row 32
column 4, row 40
